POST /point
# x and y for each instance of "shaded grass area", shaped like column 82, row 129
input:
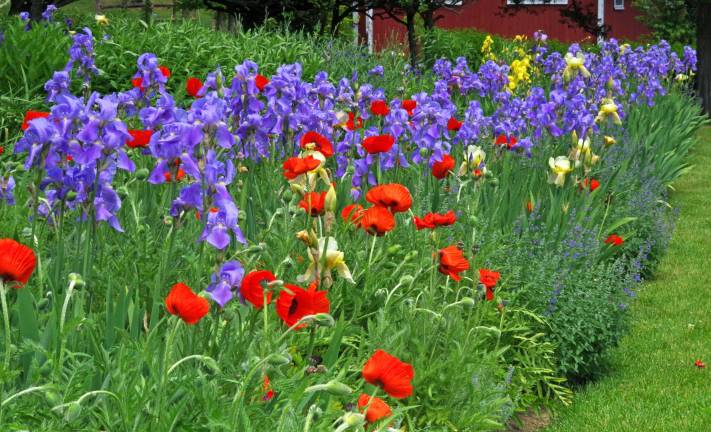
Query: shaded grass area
column 653, row 384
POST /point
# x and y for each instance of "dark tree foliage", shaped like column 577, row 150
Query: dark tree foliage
column 35, row 7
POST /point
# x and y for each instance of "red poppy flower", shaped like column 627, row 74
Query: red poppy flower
column 2, row 150
column 390, row 374
column 377, row 409
column 315, row 141
column 433, row 220
column 252, row 290
column 165, row 71
column 137, row 82
column 453, row 124
column 31, row 115
column 592, row 184
column 379, row 108
column 529, row 206
column 409, row 105
column 699, row 364
column 442, row 168
column 377, row 221
column 489, row 278
column 300, row 303
column 507, row 141
column 395, row 197
column 183, row 302
column 614, row 239
column 268, row 392
column 313, row 203
column 354, row 123
column 17, row 262
column 378, row 143
column 178, row 177
column 193, row 86
column 352, row 212
column 261, row 81
column 141, row 138
column 294, row 167
column 452, row 262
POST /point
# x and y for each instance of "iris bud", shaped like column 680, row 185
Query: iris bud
column 142, row 173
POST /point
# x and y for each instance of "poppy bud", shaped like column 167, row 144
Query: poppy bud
column 406, row 280
column 288, row 195
column 241, row 217
column 467, row 301
column 337, row 388
column 73, row 411
column 71, row 195
column 53, row 397
column 424, row 151
column 330, row 201
column 394, row 249
column 323, row 319
column 473, row 220
column 142, row 174
column 76, row 279
column 353, row 419
column 167, row 220
column 296, row 188
column 278, row 360
column 411, row 255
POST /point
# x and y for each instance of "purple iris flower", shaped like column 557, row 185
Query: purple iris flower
column 225, row 282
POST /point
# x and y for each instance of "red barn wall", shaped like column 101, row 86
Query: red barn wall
column 487, row 15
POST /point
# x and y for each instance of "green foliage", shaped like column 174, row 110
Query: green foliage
column 672, row 20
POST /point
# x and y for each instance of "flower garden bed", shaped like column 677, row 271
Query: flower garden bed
column 252, row 250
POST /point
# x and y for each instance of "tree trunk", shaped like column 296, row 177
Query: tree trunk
column 411, row 37
column 36, row 9
column 147, row 11
column 335, row 17
column 703, row 52
column 219, row 18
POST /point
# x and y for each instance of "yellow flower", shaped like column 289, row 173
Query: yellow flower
column 608, row 109
column 101, row 19
column 560, row 167
column 331, row 259
column 609, row 140
column 575, row 64
column 473, row 157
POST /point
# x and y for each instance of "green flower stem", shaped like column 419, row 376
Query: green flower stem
column 6, row 321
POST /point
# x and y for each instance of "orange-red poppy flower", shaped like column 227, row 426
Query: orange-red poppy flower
column 453, row 124
column 452, row 262
column 2, row 150
column 489, row 278
column 433, row 220
column 395, row 197
column 252, row 289
column 379, row 108
column 378, row 143
column 165, row 71
column 591, row 184
column 178, row 176
column 294, row 167
column 529, row 206
column 352, row 212
column 442, row 168
column 377, row 409
column 17, row 262
column 507, row 141
column 261, row 81
column 377, row 221
column 31, row 115
column 193, row 86
column 315, row 141
column 409, row 105
column 390, row 374
column 313, row 203
column 183, row 302
column 354, row 123
column 614, row 239
column 140, row 138
column 267, row 387
column 300, row 303
column 699, row 364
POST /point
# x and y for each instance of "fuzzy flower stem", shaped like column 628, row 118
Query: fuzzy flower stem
column 6, row 321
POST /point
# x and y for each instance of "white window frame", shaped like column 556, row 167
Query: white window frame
column 537, row 2
column 618, row 4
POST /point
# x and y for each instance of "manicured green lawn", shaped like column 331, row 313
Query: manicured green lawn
column 653, row 384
